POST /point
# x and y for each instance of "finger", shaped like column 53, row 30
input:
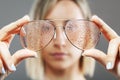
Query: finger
column 9, row 29
column 2, row 69
column 6, row 57
column 108, row 32
column 96, row 54
column 8, row 39
column 23, row 54
column 23, row 32
column 112, row 52
column 119, row 51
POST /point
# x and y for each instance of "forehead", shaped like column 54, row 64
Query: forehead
column 65, row 9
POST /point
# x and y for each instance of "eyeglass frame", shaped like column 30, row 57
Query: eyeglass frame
column 51, row 21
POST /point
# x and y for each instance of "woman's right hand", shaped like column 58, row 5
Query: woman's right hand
column 8, row 62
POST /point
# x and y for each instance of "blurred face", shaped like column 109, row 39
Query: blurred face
column 60, row 53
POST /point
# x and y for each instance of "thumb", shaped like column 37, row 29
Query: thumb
column 23, row 54
column 96, row 54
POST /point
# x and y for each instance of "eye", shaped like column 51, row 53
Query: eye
column 46, row 27
column 70, row 27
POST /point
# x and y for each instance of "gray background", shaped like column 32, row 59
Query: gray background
column 108, row 10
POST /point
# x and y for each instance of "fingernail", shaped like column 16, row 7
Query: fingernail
column 85, row 53
column 36, row 55
column 109, row 65
column 23, row 32
column 93, row 16
column 26, row 17
column 13, row 67
column 3, row 70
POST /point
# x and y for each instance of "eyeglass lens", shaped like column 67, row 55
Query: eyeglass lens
column 36, row 35
column 82, row 34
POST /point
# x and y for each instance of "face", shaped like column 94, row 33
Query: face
column 60, row 53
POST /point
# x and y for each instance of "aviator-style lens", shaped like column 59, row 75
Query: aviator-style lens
column 82, row 34
column 36, row 34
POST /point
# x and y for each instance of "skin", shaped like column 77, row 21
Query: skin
column 7, row 33
column 61, row 68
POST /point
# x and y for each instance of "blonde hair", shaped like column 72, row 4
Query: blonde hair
column 35, row 67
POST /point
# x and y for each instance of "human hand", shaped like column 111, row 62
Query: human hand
column 111, row 60
column 8, row 62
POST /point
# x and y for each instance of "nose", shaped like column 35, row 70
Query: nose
column 59, row 38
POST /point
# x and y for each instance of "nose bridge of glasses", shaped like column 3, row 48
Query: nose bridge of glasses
column 59, row 25
column 59, row 32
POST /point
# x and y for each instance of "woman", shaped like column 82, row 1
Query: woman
column 67, row 62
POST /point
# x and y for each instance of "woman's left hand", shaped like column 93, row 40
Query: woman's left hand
column 111, row 60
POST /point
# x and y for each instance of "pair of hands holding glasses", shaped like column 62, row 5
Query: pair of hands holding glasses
column 88, row 30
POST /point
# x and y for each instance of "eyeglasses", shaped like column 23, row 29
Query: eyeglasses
column 81, row 33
